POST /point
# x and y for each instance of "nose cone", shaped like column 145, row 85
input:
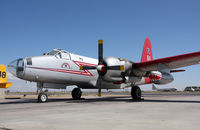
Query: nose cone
column 12, row 67
column 16, row 67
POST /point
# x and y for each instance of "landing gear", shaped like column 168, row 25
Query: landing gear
column 42, row 96
column 136, row 93
column 76, row 93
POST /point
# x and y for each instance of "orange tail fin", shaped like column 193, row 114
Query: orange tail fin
column 3, row 77
column 147, row 51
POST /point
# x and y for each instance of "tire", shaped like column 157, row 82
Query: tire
column 76, row 93
column 42, row 97
column 136, row 93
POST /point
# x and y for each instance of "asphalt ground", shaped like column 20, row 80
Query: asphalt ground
column 161, row 111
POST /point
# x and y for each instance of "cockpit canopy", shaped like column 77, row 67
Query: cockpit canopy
column 55, row 51
column 59, row 53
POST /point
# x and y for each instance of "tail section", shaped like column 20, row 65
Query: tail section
column 147, row 51
column 3, row 77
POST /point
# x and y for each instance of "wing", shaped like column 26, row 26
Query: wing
column 173, row 62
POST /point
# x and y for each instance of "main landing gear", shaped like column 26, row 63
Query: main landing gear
column 42, row 96
column 76, row 93
column 136, row 93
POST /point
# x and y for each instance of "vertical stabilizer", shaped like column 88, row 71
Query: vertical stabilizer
column 3, row 77
column 147, row 51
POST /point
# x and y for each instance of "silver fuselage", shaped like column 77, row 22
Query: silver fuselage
column 62, row 69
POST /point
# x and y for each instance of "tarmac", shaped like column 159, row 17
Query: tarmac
column 115, row 112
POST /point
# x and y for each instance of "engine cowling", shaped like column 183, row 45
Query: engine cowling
column 116, row 75
column 160, row 78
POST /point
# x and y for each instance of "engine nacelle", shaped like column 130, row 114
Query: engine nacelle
column 160, row 78
column 116, row 75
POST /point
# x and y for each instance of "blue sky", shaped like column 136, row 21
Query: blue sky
column 31, row 27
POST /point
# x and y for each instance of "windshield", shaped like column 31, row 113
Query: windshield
column 53, row 52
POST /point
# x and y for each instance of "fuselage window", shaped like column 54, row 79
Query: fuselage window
column 29, row 61
column 65, row 56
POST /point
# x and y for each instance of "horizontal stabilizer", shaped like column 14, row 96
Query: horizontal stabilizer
column 5, row 85
column 174, row 71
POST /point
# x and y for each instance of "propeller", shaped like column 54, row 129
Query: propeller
column 101, row 67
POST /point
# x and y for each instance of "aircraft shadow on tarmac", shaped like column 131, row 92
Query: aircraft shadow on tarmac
column 171, row 101
column 128, row 100
column 96, row 100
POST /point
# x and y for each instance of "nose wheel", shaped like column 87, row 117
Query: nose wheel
column 76, row 93
column 42, row 97
column 136, row 93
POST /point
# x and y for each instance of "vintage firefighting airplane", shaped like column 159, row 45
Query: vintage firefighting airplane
column 59, row 69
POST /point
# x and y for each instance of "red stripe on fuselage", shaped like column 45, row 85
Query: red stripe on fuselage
column 83, row 63
column 84, row 72
column 64, row 71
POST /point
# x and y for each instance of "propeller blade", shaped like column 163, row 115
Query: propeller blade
column 87, row 67
column 100, row 52
column 99, row 85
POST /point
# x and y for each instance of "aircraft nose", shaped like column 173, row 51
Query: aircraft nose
column 16, row 67
column 12, row 67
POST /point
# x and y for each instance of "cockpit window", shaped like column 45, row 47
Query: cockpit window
column 20, row 62
column 59, row 53
column 53, row 52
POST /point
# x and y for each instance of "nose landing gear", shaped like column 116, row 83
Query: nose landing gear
column 42, row 96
